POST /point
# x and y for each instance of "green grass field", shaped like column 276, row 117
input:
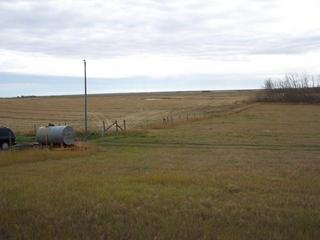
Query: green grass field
column 249, row 174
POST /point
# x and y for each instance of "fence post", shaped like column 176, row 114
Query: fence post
column 116, row 125
column 35, row 129
column 124, row 125
column 103, row 128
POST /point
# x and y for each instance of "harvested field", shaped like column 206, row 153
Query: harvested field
column 139, row 110
column 249, row 174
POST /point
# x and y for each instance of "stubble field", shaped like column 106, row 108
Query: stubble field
column 139, row 109
column 249, row 173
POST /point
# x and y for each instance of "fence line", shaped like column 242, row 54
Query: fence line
column 105, row 126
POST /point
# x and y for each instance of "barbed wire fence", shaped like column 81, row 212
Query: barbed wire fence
column 105, row 126
column 99, row 124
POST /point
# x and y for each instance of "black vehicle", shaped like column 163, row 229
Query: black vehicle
column 7, row 138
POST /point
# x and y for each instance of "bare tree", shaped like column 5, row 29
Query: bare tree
column 294, row 87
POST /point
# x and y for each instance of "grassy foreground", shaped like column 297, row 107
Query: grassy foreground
column 254, row 174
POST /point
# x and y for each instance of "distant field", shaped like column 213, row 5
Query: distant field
column 139, row 110
column 249, row 174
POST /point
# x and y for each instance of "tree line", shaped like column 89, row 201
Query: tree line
column 294, row 87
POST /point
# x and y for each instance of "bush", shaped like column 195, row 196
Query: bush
column 294, row 87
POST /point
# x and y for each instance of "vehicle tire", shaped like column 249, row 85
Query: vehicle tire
column 5, row 146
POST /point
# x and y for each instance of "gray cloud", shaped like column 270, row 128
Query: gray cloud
column 115, row 28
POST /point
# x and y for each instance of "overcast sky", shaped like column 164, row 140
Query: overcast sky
column 160, row 40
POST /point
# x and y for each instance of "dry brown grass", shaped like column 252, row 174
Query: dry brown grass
column 140, row 110
column 251, row 174
column 8, row 158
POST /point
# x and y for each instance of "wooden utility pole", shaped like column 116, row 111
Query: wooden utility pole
column 85, row 99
